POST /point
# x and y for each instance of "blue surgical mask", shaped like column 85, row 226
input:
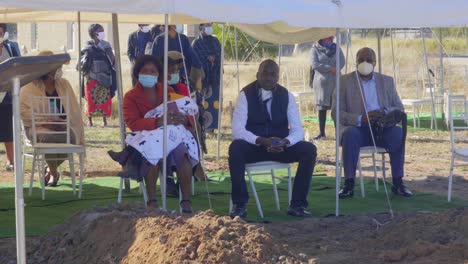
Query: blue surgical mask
column 147, row 81
column 179, row 28
column 175, row 78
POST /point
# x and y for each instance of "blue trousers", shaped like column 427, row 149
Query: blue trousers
column 356, row 137
column 242, row 152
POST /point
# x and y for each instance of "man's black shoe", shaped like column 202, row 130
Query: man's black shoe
column 348, row 190
column 299, row 212
column 120, row 157
column 402, row 190
column 240, row 211
column 172, row 189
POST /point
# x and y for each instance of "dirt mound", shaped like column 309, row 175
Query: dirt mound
column 131, row 235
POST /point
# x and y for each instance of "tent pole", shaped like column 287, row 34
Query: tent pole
column 279, row 55
column 221, row 88
column 379, row 50
column 442, row 72
column 164, row 168
column 118, row 72
column 19, row 198
column 431, row 89
column 348, row 44
column 80, row 73
column 337, row 127
column 393, row 59
column 237, row 59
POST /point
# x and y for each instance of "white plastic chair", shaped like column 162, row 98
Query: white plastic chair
column 41, row 107
column 458, row 152
column 268, row 168
column 371, row 150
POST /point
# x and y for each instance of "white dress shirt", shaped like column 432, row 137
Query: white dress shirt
column 240, row 116
column 369, row 89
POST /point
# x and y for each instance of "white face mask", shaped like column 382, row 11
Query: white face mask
column 208, row 30
column 365, row 68
column 101, row 35
column 58, row 74
column 145, row 29
column 6, row 36
column 179, row 28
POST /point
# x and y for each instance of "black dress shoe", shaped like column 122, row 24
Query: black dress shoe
column 402, row 190
column 346, row 193
column 120, row 157
column 299, row 212
column 240, row 211
column 319, row 137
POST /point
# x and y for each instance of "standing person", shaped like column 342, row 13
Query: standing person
column 208, row 49
column 266, row 126
column 192, row 63
column 323, row 64
column 7, row 50
column 97, row 64
column 137, row 42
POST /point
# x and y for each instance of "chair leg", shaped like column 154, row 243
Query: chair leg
column 289, row 186
column 143, row 190
column 119, row 196
column 72, row 172
column 230, row 205
column 275, row 189
column 41, row 179
column 32, row 174
column 193, row 185
column 81, row 175
column 449, row 192
column 180, row 198
column 254, row 191
column 375, row 172
column 363, row 194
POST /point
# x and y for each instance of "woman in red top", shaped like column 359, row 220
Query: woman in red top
column 145, row 96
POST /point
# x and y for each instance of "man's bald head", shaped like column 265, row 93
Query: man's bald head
column 366, row 54
column 268, row 74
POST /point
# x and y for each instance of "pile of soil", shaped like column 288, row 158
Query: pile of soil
column 131, row 234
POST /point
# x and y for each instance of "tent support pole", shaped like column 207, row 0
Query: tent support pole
column 164, row 168
column 80, row 73
column 348, row 44
column 379, row 49
column 19, row 198
column 442, row 72
column 337, row 127
column 393, row 59
column 431, row 89
column 279, row 55
column 118, row 72
column 221, row 88
column 237, row 59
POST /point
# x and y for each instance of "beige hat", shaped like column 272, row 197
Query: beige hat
column 49, row 53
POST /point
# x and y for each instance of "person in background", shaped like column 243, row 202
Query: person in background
column 8, row 49
column 323, row 65
column 52, row 85
column 266, row 126
column 380, row 97
column 192, row 63
column 208, row 50
column 97, row 64
column 137, row 42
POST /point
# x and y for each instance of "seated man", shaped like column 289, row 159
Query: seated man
column 266, row 126
column 380, row 98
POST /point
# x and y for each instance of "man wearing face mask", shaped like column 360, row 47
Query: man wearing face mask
column 137, row 42
column 180, row 42
column 266, row 126
column 380, row 97
column 208, row 49
column 8, row 49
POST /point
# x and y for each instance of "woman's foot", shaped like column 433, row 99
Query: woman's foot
column 53, row 182
column 321, row 136
column 9, row 167
column 186, row 206
column 152, row 204
column 90, row 122
column 104, row 121
column 46, row 176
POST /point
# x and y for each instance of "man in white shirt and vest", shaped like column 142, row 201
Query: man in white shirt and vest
column 365, row 90
column 266, row 126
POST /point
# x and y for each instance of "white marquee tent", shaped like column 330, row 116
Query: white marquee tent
column 295, row 13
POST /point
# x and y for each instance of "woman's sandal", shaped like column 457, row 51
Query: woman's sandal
column 46, row 176
column 186, row 206
column 56, row 179
column 153, row 203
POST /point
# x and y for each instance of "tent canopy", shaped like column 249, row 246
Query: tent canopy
column 295, row 13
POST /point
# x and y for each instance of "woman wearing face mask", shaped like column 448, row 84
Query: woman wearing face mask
column 145, row 96
column 323, row 64
column 52, row 85
column 97, row 64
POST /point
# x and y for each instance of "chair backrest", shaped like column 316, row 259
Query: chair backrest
column 458, row 118
column 295, row 78
column 49, row 111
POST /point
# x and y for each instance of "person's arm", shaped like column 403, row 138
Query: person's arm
column 296, row 131
column 133, row 119
column 239, row 121
column 342, row 60
column 317, row 65
column 131, row 49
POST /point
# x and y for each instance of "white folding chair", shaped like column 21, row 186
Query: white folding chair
column 268, row 168
column 45, row 108
column 371, row 150
column 458, row 152
column 141, row 190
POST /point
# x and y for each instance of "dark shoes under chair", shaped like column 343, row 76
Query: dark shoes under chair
column 241, row 211
column 398, row 188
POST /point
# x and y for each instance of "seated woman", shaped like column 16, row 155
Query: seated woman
column 52, row 85
column 144, row 97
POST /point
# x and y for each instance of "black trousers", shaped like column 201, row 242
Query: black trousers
column 242, row 152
